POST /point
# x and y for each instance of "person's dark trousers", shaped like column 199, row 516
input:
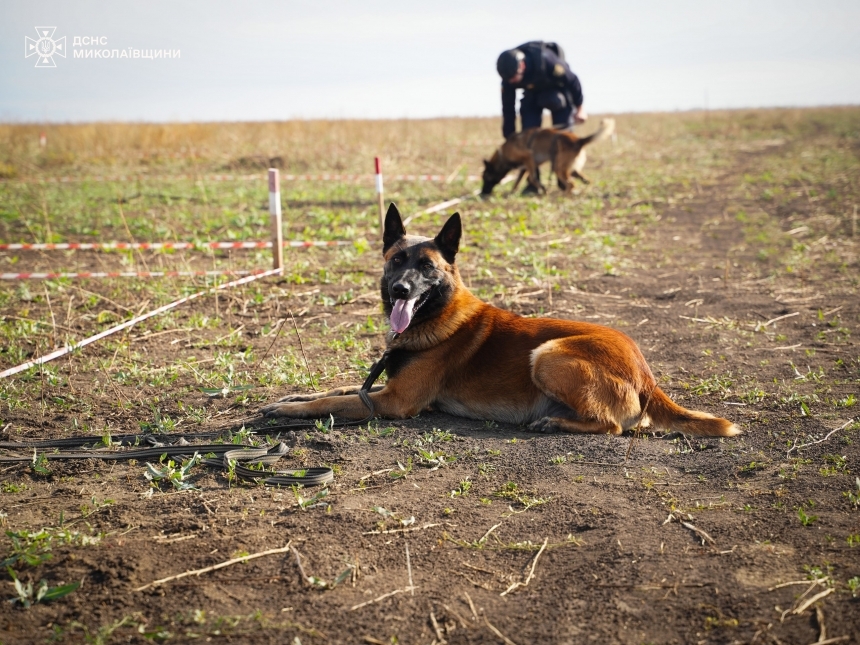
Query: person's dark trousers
column 533, row 104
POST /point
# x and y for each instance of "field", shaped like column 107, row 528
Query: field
column 724, row 243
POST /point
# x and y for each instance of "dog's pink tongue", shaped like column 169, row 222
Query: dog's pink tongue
column 401, row 314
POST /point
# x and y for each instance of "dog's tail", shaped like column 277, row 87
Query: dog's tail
column 607, row 127
column 668, row 415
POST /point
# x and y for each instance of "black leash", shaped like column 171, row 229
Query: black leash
column 233, row 458
column 230, row 457
column 364, row 393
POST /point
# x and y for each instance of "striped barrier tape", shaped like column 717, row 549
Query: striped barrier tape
column 183, row 245
column 121, row 246
column 316, row 177
column 124, row 274
column 129, row 323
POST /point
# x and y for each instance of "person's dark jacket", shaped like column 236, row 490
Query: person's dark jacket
column 544, row 71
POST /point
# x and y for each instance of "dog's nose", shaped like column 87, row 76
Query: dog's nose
column 400, row 290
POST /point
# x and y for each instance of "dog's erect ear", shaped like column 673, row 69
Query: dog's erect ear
column 486, row 164
column 448, row 240
column 394, row 229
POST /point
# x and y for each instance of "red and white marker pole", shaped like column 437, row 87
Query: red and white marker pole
column 379, row 196
column 277, row 219
column 43, row 140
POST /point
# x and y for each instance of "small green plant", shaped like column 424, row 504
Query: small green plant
column 40, row 465
column 311, row 502
column 854, row 496
column 401, row 471
column 28, row 596
column 34, row 547
column 13, row 487
column 854, row 586
column 836, row 465
column 462, row 489
column 437, row 435
column 558, row 459
column 325, row 426
column 716, row 384
column 847, row 402
column 822, row 573
column 509, row 491
column 389, row 515
column 512, row 491
column 752, row 467
column 159, row 425
column 434, row 458
column 484, row 469
column 853, row 540
column 177, row 476
column 805, row 520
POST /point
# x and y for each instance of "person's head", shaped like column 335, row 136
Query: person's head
column 511, row 65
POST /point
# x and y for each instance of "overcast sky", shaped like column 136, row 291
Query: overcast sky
column 262, row 59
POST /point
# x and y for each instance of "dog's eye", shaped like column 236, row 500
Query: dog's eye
column 427, row 265
column 397, row 260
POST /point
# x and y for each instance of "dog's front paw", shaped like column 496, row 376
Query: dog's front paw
column 277, row 410
column 546, row 425
column 296, row 398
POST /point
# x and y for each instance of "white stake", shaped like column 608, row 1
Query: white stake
column 379, row 196
column 277, row 219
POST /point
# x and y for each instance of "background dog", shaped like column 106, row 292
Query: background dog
column 458, row 354
column 530, row 148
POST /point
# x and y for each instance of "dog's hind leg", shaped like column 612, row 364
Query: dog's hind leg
column 561, row 167
column 600, row 402
column 580, row 176
column 578, row 165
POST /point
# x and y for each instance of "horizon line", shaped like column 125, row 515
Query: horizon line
column 430, row 118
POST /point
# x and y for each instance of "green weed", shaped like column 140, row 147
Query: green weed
column 32, row 548
column 27, row 596
column 805, row 519
column 168, row 471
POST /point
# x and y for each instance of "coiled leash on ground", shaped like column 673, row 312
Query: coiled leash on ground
column 231, row 457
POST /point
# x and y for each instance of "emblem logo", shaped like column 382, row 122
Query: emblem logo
column 45, row 47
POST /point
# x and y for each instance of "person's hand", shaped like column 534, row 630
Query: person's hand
column 581, row 115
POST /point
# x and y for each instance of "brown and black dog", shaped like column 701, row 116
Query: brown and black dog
column 529, row 149
column 453, row 352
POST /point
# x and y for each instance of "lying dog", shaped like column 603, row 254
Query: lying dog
column 451, row 351
column 530, row 148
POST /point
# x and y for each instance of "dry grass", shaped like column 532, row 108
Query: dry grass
column 431, row 145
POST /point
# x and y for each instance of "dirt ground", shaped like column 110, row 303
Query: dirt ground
column 515, row 537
